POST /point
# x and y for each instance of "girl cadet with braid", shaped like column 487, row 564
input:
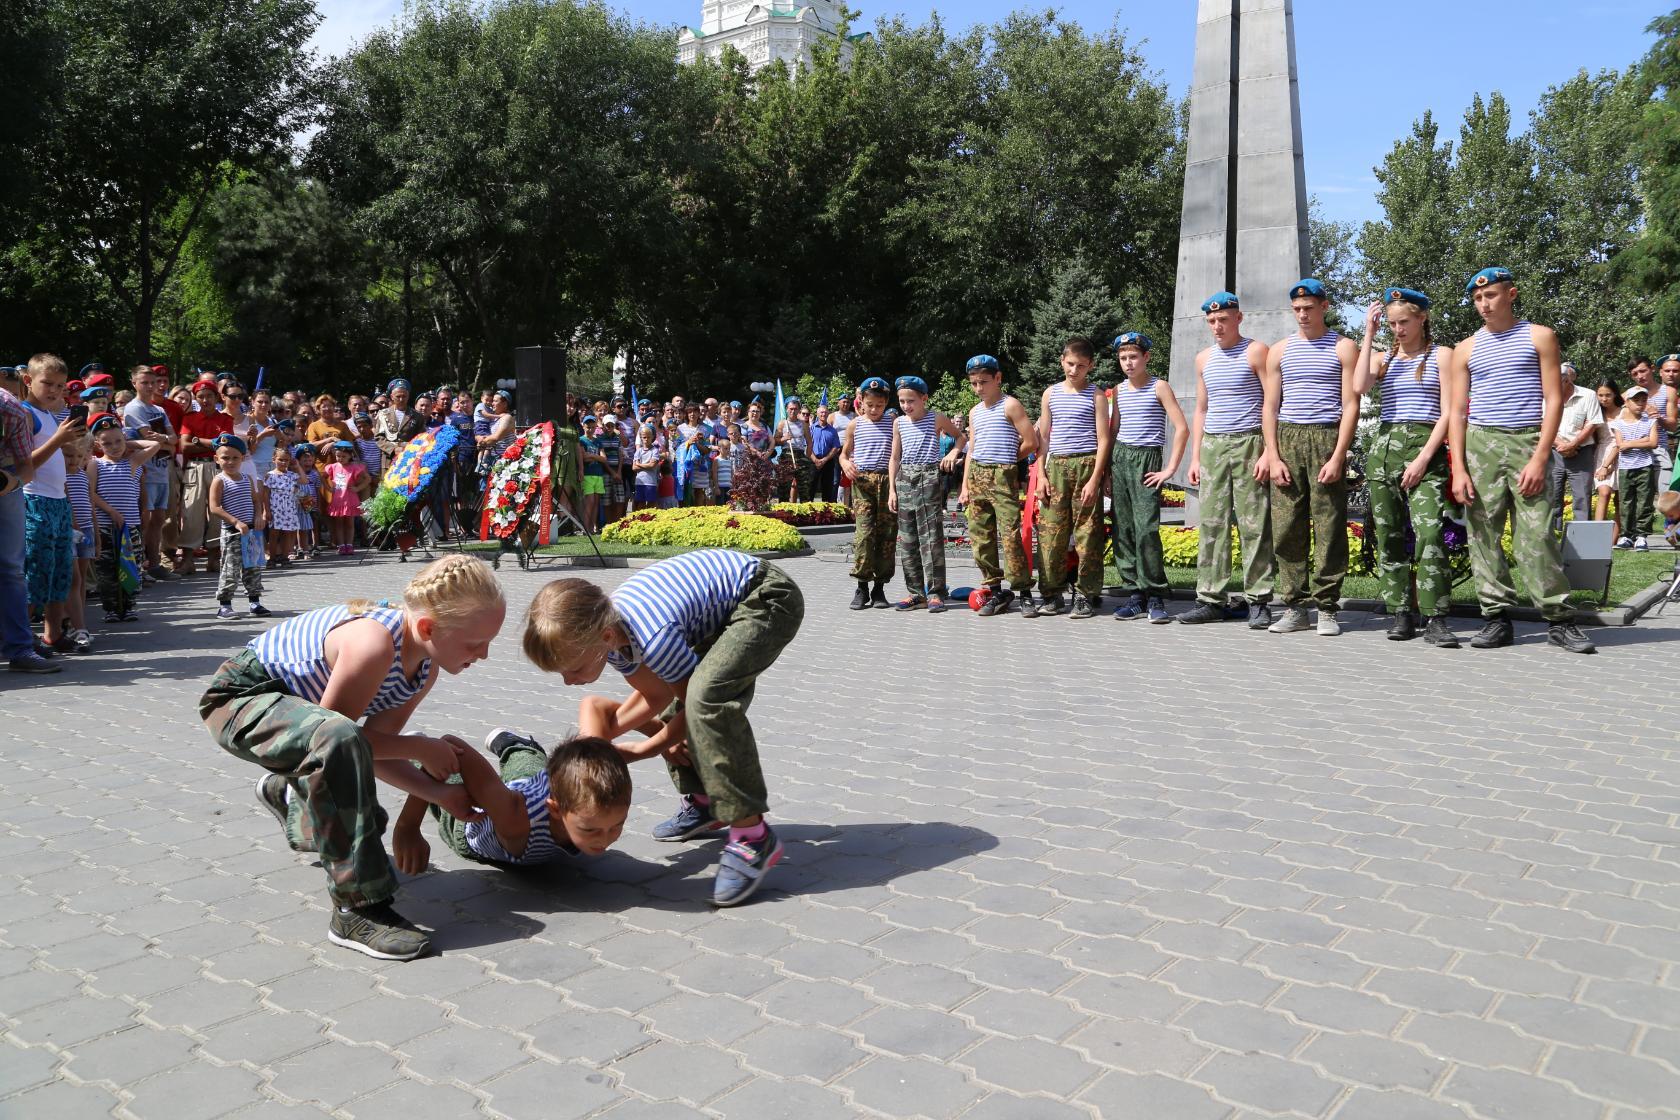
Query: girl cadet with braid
column 320, row 702
column 1406, row 467
column 915, row 492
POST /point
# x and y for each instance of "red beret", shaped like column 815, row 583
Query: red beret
column 205, row 383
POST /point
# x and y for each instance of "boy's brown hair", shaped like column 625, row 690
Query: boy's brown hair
column 587, row 772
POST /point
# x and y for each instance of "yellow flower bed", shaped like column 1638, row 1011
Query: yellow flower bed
column 1180, row 547
column 705, row 527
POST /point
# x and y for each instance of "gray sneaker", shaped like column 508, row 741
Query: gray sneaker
column 379, row 931
column 271, row 795
column 1294, row 620
column 501, row 738
column 1328, row 626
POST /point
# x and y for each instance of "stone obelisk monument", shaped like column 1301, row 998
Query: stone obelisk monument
column 1244, row 227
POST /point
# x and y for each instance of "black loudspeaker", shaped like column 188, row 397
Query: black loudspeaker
column 540, row 395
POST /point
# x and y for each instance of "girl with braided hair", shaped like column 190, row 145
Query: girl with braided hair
column 320, row 703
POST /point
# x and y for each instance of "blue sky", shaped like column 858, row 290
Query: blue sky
column 1367, row 70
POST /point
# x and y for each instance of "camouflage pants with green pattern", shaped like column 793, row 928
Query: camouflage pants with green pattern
column 921, row 529
column 1062, row 518
column 335, row 808
column 520, row 760
column 876, row 528
column 1494, row 458
column 994, row 525
column 1230, row 495
column 1391, row 452
column 1309, row 519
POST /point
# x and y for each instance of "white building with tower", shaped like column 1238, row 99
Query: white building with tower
column 764, row 31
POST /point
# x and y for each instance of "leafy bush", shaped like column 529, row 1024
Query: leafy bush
column 384, row 509
column 705, row 527
column 1180, row 547
column 810, row 513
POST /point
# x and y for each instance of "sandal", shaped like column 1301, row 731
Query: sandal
column 912, row 603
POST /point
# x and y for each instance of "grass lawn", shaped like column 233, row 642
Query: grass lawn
column 577, row 546
column 1631, row 573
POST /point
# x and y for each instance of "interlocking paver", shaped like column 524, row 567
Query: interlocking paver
column 1288, row 895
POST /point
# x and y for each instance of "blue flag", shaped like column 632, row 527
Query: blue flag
column 260, row 371
column 635, row 406
column 822, row 402
column 781, row 415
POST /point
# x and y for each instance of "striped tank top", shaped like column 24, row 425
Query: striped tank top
column 236, row 499
column 995, row 442
column 918, row 441
column 1073, row 421
column 294, row 653
column 1312, row 380
column 871, row 443
column 1143, row 418
column 1634, row 458
column 119, row 485
column 81, row 506
column 368, row 451
column 1233, row 391
column 1505, row 379
column 1405, row 398
column 540, row 847
column 1659, row 407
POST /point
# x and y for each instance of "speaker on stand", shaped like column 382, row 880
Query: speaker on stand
column 540, row 374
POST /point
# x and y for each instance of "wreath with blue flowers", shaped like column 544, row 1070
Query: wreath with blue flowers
column 417, row 464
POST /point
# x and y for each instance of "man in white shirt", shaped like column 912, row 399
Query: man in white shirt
column 1575, row 451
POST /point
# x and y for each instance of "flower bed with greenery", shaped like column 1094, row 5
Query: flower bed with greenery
column 705, row 527
column 802, row 514
column 1179, row 547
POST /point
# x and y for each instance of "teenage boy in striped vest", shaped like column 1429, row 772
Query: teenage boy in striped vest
column 1229, row 465
column 865, row 455
column 1142, row 406
column 1510, row 373
column 1070, row 485
column 1308, row 426
column 999, row 436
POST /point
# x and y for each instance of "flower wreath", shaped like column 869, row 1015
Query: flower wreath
column 516, row 479
column 417, row 464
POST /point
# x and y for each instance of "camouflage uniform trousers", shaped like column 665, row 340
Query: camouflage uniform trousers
column 234, row 573
column 994, row 525
column 1137, row 521
column 1229, row 494
column 876, row 531
column 1494, row 458
column 724, row 753
column 1061, row 517
column 921, row 529
column 804, row 474
column 1309, row 515
column 1391, row 452
column 334, row 807
column 521, row 760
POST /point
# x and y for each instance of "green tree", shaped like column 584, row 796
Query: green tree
column 1652, row 263
column 1078, row 304
column 1411, row 246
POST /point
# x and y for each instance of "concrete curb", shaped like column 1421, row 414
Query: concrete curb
column 1624, row 615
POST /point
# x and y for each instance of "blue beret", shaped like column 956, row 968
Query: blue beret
column 1220, row 301
column 398, row 383
column 1666, row 358
column 104, row 422
column 1486, row 276
column 303, row 449
column 1308, row 288
column 911, row 381
column 507, row 396
column 1134, row 338
column 1406, row 295
column 91, row 367
column 343, row 445
column 96, row 391
column 228, row 439
column 732, row 404
column 983, row 361
column 874, row 385
column 789, row 400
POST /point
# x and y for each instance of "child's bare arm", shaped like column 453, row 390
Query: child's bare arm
column 409, row 850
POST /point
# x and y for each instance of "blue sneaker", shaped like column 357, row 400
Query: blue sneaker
column 693, row 819
column 1158, row 610
column 743, row 868
column 1131, row 608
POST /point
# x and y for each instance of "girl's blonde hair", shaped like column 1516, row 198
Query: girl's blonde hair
column 1428, row 337
column 451, row 590
column 564, row 617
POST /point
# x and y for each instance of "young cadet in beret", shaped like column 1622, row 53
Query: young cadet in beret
column 1230, row 465
column 1000, row 435
column 1070, row 485
column 1505, row 401
column 1308, row 427
column 865, row 454
column 1142, row 406
column 916, row 494
column 237, row 506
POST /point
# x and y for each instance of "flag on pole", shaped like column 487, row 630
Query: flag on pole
column 781, row 404
column 635, row 406
column 260, row 371
column 822, row 402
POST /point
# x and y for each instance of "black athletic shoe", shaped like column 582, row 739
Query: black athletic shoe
column 860, row 598
column 878, row 597
column 379, row 931
column 1259, row 616
column 997, row 603
column 1029, row 605
column 1438, row 634
column 1053, row 605
column 1568, row 636
column 1082, row 607
column 1202, row 612
column 1495, row 632
column 1403, row 628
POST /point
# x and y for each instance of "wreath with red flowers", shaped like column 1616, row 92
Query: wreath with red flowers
column 516, row 479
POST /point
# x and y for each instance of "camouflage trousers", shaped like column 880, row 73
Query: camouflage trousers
column 876, row 529
column 1062, row 518
column 994, row 525
column 1309, row 516
column 1391, row 452
column 1229, row 495
column 921, row 529
column 334, row 809
column 1494, row 458
column 1137, row 521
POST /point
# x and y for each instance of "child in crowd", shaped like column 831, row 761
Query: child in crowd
column 49, row 529
column 291, row 701
column 865, row 455
column 1000, row 436
column 347, row 479
column 723, row 463
column 236, row 505
column 77, row 456
column 280, row 486
column 367, row 448
column 691, row 635
column 536, row 806
column 1141, row 408
column 308, row 501
column 915, row 492
column 667, row 468
column 647, row 463
column 1635, row 463
column 115, row 493
column 594, row 471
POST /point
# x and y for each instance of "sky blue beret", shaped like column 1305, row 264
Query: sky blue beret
column 874, row 385
column 911, row 381
column 228, row 439
column 1134, row 338
column 1486, row 276
column 1308, row 288
column 983, row 361
column 1220, row 301
column 1406, row 295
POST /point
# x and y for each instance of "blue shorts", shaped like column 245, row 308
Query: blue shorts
column 154, row 493
column 647, row 493
column 49, row 551
column 84, row 547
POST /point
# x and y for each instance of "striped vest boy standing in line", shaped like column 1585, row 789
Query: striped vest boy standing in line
column 1000, row 435
column 917, row 494
column 1070, row 486
column 865, row 453
column 1142, row 407
column 1308, row 436
column 1505, row 402
column 1229, row 465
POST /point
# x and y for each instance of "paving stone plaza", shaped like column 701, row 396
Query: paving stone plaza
column 1037, row 869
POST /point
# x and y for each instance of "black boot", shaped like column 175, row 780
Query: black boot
column 1496, row 632
column 878, row 597
column 1403, row 628
column 1029, row 606
column 1569, row 636
column 860, row 599
column 1438, row 634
